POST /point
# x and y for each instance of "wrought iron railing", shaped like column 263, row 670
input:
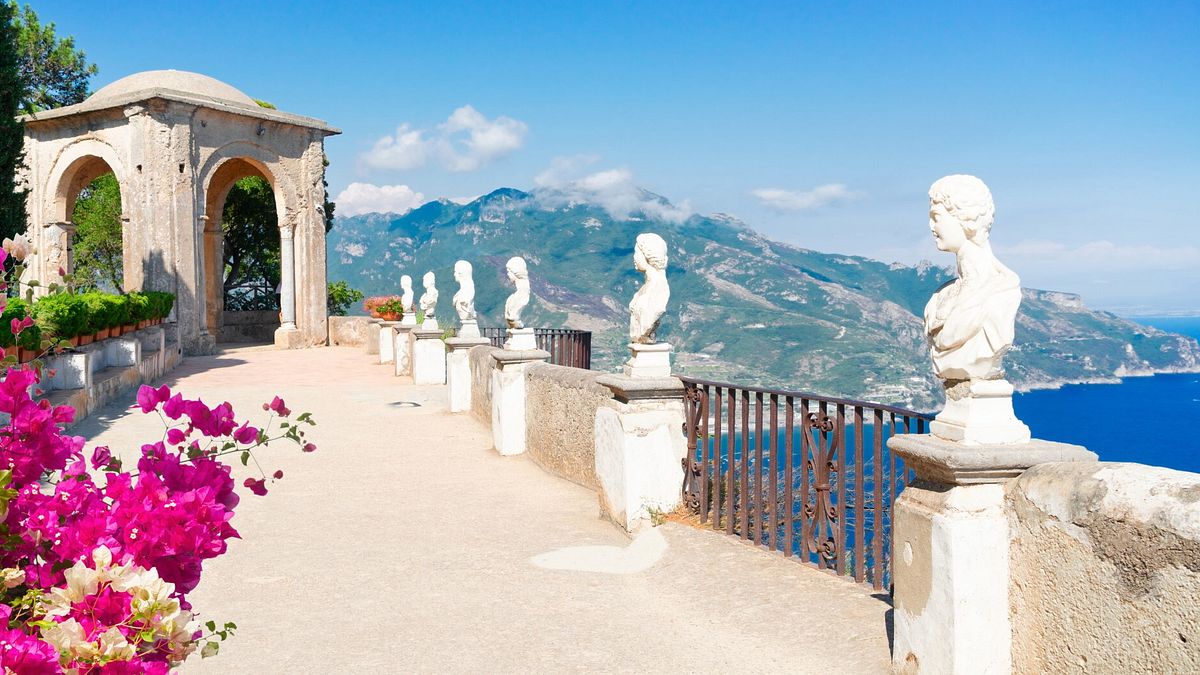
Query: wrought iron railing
column 807, row 475
column 567, row 347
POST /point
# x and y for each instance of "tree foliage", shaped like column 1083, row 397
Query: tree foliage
column 251, row 229
column 341, row 297
column 99, row 259
column 54, row 73
column 12, row 136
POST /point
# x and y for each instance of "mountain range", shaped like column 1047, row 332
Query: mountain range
column 743, row 309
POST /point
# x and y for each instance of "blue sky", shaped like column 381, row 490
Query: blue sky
column 820, row 126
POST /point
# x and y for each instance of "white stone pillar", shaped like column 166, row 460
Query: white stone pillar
column 950, row 552
column 640, row 446
column 402, row 347
column 287, row 278
column 387, row 341
column 458, row 370
column 428, row 357
column 371, row 345
column 508, row 397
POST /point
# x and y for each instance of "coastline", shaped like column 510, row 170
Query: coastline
column 1115, row 378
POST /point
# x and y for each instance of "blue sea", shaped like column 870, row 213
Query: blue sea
column 1150, row 420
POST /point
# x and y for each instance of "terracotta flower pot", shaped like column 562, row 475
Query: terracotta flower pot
column 128, row 328
column 85, row 340
column 102, row 334
column 389, row 316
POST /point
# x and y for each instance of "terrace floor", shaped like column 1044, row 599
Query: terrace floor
column 405, row 544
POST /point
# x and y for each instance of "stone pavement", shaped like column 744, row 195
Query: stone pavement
column 406, row 545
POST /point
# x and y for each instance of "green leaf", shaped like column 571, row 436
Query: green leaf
column 245, row 457
column 210, row 648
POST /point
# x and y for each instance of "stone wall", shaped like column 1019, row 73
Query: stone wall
column 1105, row 569
column 348, row 331
column 256, row 326
column 560, row 413
column 482, row 365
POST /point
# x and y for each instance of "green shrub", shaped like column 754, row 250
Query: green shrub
column 160, row 303
column 99, row 312
column 120, row 309
column 139, row 307
column 62, row 317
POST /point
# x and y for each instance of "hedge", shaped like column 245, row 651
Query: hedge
column 64, row 316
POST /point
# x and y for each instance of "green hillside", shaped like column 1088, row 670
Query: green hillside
column 743, row 308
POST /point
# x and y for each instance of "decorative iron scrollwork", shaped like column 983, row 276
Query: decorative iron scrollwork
column 822, row 440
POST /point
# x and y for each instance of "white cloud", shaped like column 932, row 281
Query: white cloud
column 466, row 141
column 360, row 198
column 1102, row 255
column 793, row 200
column 566, row 182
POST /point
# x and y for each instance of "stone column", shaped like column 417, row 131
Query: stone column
column 402, row 347
column 639, row 448
column 508, row 397
column 287, row 336
column 950, row 552
column 458, row 370
column 206, row 341
column 428, row 356
column 387, row 341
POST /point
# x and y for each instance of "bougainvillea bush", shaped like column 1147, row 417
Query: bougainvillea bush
column 97, row 559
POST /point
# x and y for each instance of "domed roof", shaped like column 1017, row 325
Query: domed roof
column 176, row 80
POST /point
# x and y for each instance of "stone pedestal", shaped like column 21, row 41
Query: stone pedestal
column 430, row 323
column 288, row 338
column 387, row 341
column 950, row 552
column 409, row 318
column 372, row 342
column 402, row 347
column 520, row 339
column 980, row 412
column 649, row 360
column 469, row 329
column 458, row 371
column 508, row 397
column 428, row 357
column 639, row 448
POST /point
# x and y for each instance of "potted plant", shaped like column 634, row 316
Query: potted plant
column 371, row 304
column 391, row 309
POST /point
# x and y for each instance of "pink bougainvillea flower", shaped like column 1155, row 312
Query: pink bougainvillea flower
column 278, row 407
column 148, row 398
column 101, row 456
column 257, row 485
column 308, row 447
column 173, row 407
column 176, row 436
column 278, row 474
column 246, row 435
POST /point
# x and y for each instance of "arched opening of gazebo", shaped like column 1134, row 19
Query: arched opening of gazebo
column 242, row 264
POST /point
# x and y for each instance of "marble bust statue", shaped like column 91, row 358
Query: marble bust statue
column 969, row 322
column 429, row 298
column 650, row 302
column 406, row 293
column 518, row 273
column 464, row 298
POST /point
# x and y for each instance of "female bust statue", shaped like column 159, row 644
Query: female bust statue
column 406, row 293
column 648, row 304
column 464, row 299
column 970, row 321
column 518, row 273
column 430, row 297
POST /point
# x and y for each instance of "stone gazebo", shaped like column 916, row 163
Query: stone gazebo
column 176, row 142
